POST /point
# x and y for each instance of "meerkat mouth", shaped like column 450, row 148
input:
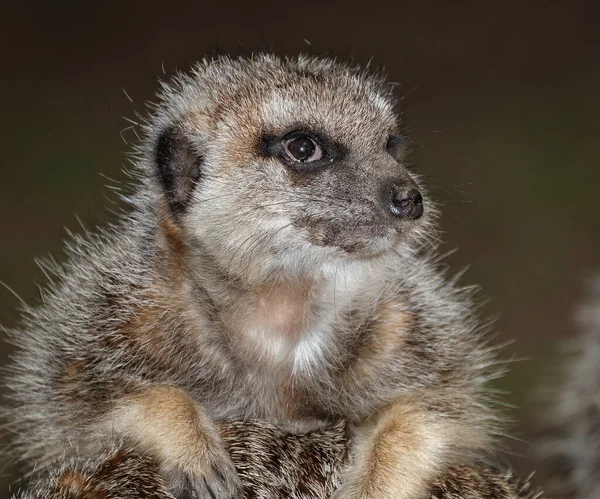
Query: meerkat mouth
column 360, row 239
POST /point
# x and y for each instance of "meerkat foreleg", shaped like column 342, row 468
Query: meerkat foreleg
column 172, row 428
column 400, row 451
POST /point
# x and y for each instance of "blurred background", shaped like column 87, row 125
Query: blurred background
column 502, row 99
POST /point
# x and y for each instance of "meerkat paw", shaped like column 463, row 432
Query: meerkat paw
column 212, row 476
column 399, row 452
column 368, row 489
column 168, row 425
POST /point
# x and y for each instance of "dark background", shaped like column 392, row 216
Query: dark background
column 502, row 99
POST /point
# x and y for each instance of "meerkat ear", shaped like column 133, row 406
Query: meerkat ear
column 179, row 167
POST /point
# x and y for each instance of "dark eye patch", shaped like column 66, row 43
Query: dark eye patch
column 273, row 145
column 276, row 145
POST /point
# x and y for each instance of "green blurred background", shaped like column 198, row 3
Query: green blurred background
column 502, row 99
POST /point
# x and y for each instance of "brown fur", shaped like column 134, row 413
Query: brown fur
column 381, row 339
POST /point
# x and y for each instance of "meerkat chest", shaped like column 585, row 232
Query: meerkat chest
column 271, row 323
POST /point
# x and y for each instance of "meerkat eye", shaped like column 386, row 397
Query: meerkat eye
column 303, row 149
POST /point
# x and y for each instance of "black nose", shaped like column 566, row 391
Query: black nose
column 406, row 203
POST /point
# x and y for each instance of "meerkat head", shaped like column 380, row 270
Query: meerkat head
column 271, row 164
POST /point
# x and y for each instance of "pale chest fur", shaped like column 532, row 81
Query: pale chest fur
column 270, row 324
column 291, row 324
column 292, row 338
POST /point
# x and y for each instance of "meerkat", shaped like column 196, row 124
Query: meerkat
column 568, row 448
column 278, row 263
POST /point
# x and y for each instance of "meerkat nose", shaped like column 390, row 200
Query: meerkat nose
column 406, row 203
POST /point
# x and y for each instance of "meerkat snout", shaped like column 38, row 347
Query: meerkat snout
column 406, row 203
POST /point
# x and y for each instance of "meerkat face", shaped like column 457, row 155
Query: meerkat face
column 286, row 161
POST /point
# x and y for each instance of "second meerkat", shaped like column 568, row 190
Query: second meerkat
column 277, row 263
